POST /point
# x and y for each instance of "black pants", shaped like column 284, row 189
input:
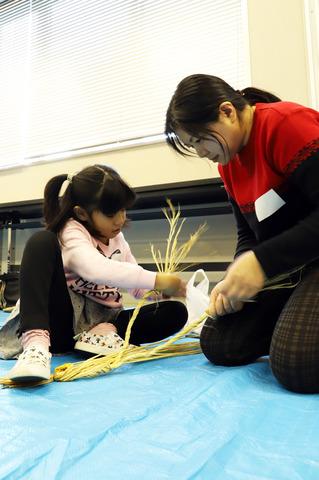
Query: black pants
column 283, row 324
column 46, row 304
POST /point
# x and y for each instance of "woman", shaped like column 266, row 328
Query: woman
column 268, row 156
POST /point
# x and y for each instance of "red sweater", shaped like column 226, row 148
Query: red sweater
column 273, row 185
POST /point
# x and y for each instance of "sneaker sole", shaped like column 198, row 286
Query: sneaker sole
column 22, row 379
column 87, row 348
column 28, row 377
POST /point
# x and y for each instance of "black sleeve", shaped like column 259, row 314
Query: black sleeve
column 298, row 245
column 246, row 239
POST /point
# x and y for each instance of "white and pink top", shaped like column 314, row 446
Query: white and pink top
column 97, row 270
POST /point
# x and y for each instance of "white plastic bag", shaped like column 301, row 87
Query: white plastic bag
column 197, row 298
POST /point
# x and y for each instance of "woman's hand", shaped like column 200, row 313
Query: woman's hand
column 170, row 285
column 220, row 305
column 244, row 278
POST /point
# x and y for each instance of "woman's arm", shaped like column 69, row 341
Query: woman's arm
column 299, row 245
column 246, row 239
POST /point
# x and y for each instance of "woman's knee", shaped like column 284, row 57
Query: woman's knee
column 296, row 370
column 222, row 348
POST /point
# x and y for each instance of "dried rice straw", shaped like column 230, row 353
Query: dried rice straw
column 284, row 280
column 100, row 364
column 175, row 254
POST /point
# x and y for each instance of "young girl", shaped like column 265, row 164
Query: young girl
column 78, row 292
column 268, row 156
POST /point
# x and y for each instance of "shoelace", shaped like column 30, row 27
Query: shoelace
column 34, row 356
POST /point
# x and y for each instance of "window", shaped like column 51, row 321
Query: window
column 80, row 76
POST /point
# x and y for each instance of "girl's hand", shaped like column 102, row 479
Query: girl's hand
column 170, row 285
column 244, row 278
column 220, row 305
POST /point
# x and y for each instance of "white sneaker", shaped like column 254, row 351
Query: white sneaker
column 98, row 344
column 33, row 364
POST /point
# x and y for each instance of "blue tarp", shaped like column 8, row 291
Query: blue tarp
column 178, row 418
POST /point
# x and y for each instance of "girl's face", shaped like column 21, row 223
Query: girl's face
column 223, row 139
column 108, row 225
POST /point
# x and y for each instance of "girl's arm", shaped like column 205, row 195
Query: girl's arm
column 168, row 284
column 137, row 292
column 80, row 256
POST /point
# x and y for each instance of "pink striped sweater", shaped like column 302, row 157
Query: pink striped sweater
column 97, row 270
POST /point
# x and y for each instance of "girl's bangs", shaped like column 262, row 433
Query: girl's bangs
column 116, row 195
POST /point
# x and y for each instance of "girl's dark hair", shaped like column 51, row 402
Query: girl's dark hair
column 94, row 188
column 195, row 103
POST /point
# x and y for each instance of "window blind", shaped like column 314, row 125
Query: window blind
column 87, row 75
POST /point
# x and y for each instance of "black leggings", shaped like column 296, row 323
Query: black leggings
column 283, row 324
column 46, row 304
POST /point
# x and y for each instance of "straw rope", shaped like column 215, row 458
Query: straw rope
column 102, row 364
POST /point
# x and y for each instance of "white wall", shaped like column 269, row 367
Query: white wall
column 278, row 63
column 147, row 165
column 278, row 48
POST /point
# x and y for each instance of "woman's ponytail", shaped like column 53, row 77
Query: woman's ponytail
column 255, row 95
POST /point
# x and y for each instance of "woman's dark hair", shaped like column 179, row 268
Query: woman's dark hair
column 195, row 103
column 94, row 188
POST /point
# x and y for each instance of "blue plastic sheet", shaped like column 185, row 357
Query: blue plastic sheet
column 178, row 418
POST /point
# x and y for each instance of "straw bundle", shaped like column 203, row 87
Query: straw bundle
column 175, row 254
column 104, row 364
